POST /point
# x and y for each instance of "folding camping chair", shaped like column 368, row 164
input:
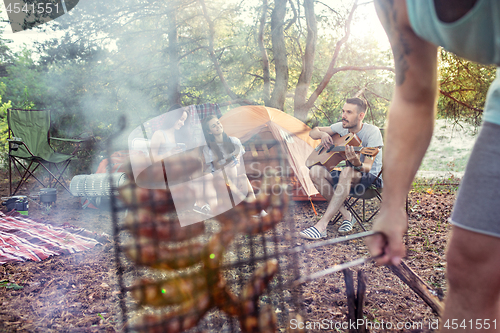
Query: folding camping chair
column 368, row 194
column 29, row 148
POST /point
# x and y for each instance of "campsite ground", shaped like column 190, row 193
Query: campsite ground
column 79, row 292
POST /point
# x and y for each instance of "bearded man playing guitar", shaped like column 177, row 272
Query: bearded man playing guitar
column 361, row 171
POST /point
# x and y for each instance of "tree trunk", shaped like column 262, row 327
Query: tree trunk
column 280, row 57
column 263, row 53
column 211, row 34
column 174, row 86
column 302, row 110
column 307, row 62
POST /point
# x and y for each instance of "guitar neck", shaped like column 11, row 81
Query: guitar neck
column 342, row 148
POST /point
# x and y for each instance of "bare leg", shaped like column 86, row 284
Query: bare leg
column 244, row 185
column 223, row 202
column 346, row 215
column 199, row 188
column 323, row 182
column 206, row 191
column 473, row 274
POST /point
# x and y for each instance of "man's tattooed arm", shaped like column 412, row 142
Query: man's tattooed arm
column 409, row 126
column 389, row 16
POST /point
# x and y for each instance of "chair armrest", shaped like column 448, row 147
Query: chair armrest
column 68, row 140
column 14, row 144
column 75, row 141
column 16, row 140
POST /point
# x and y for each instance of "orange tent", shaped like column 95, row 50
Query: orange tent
column 257, row 123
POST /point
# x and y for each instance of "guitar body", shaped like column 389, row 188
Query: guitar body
column 330, row 159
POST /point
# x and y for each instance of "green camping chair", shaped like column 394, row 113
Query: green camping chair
column 352, row 199
column 29, row 148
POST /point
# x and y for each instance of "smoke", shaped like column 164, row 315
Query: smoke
column 124, row 59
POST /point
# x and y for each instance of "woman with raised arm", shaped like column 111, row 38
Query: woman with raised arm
column 172, row 138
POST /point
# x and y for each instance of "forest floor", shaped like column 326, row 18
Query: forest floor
column 80, row 292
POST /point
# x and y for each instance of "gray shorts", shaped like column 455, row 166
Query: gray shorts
column 477, row 205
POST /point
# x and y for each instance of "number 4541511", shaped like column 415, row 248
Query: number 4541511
column 478, row 324
column 41, row 8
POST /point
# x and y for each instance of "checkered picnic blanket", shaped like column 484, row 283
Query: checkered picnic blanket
column 23, row 239
column 205, row 110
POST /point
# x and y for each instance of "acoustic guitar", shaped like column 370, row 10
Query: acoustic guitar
column 332, row 156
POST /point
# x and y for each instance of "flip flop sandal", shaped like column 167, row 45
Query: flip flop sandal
column 204, row 210
column 262, row 213
column 312, row 233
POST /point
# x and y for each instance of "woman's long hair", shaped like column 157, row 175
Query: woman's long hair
column 174, row 113
column 227, row 143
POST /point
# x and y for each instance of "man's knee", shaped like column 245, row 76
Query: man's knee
column 317, row 173
column 472, row 262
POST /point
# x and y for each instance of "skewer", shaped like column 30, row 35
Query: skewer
column 334, row 269
column 332, row 241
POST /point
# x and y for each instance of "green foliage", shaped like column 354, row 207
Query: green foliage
column 10, row 285
column 3, row 128
column 115, row 58
column 23, row 85
column 432, row 186
column 132, row 66
column 63, row 88
column 465, row 84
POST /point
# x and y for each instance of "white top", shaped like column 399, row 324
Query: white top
column 211, row 157
column 167, row 145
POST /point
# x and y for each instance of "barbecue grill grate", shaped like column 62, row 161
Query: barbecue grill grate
column 231, row 273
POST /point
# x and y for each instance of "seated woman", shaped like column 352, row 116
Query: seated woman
column 147, row 167
column 223, row 153
column 172, row 138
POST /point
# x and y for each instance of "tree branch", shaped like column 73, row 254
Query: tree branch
column 331, row 9
column 211, row 30
column 238, row 101
column 331, row 68
column 379, row 96
column 324, row 113
column 460, row 102
column 295, row 15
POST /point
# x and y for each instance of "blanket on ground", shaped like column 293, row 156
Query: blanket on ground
column 23, row 239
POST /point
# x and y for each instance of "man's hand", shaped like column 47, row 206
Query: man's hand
column 324, row 134
column 391, row 225
column 326, row 140
column 351, row 156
